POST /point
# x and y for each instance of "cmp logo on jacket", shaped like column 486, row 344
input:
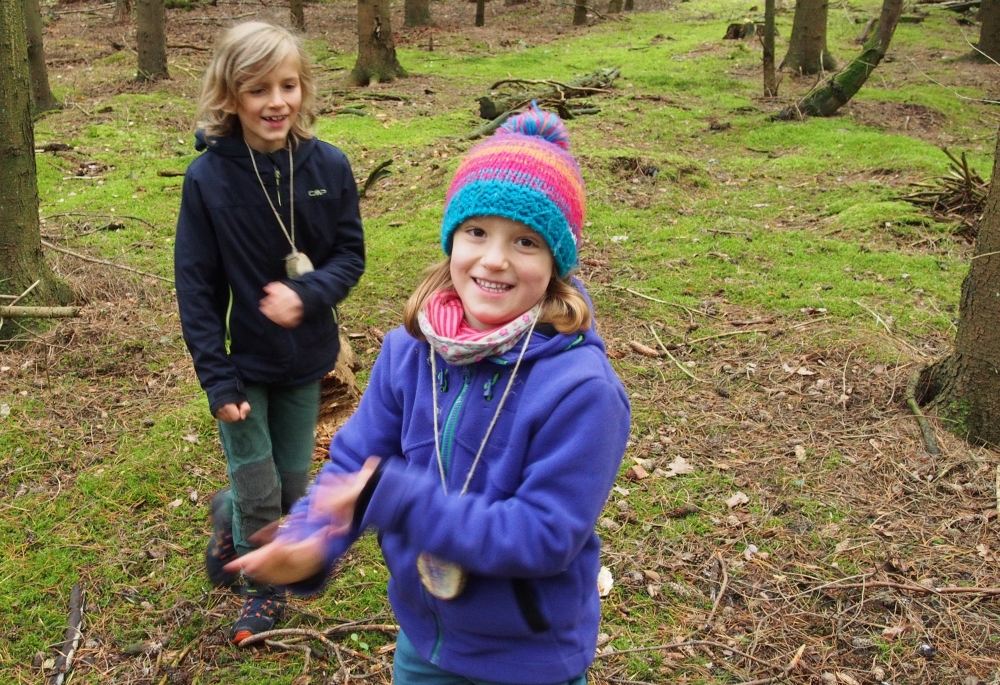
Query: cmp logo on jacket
column 317, row 192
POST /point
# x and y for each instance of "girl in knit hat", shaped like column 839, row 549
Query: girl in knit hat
column 487, row 441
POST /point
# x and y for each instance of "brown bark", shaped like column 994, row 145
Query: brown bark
column 770, row 82
column 807, row 51
column 480, row 12
column 151, row 36
column 41, row 95
column 297, row 13
column 989, row 31
column 629, row 5
column 614, row 6
column 416, row 13
column 376, row 49
column 838, row 90
column 21, row 260
column 580, row 13
column 123, row 11
column 965, row 387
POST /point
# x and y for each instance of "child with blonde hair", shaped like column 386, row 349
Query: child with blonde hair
column 487, row 440
column 269, row 241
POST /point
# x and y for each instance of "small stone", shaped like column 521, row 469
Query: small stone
column 926, row 651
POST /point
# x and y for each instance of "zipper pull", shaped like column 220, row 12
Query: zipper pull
column 488, row 386
column 277, row 183
column 443, row 380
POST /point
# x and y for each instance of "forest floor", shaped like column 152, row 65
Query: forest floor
column 764, row 290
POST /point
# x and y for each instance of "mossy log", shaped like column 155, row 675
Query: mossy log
column 15, row 312
column 550, row 93
column 838, row 90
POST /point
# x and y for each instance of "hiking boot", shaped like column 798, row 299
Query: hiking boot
column 264, row 605
column 221, row 549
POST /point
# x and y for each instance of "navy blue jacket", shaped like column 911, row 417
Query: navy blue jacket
column 229, row 246
column 530, row 609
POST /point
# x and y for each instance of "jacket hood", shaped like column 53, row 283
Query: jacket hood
column 548, row 343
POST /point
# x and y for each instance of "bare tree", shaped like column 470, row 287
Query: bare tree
column 838, row 90
column 123, row 11
column 989, row 31
column 965, row 386
column 770, row 82
column 614, row 6
column 41, row 95
column 807, row 51
column 376, row 49
column 21, row 259
column 151, row 35
column 580, row 13
column 298, row 14
column 416, row 13
column 480, row 12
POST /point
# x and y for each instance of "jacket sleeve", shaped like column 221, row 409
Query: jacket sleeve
column 373, row 430
column 333, row 279
column 202, row 293
column 538, row 531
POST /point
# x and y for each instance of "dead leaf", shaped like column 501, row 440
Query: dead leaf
column 800, row 452
column 737, row 499
column 605, row 581
column 846, row 679
column 893, row 632
column 192, row 438
column 636, row 473
column 678, row 467
column 176, row 503
column 652, row 576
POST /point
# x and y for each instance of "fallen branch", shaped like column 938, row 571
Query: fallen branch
column 552, row 94
column 16, row 312
column 64, row 662
column 101, row 216
column 930, row 443
column 105, row 262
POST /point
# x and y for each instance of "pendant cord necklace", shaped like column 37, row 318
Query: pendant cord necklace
column 290, row 235
column 496, row 415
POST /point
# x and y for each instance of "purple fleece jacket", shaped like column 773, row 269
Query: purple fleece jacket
column 530, row 609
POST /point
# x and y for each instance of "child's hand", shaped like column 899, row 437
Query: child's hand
column 334, row 496
column 228, row 413
column 282, row 562
column 282, row 305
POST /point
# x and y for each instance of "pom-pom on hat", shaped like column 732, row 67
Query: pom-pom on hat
column 526, row 173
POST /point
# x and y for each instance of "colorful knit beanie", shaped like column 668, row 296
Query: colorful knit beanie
column 523, row 172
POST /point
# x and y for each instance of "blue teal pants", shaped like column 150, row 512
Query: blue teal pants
column 409, row 668
column 268, row 455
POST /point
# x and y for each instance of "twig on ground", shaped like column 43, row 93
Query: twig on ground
column 296, row 648
column 722, row 588
column 64, row 662
column 101, row 216
column 105, row 262
column 27, row 290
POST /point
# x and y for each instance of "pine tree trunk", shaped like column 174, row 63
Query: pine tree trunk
column 416, row 13
column 629, row 5
column 965, row 387
column 480, row 12
column 151, row 36
column 807, row 52
column 376, row 49
column 21, row 259
column 837, row 91
column 41, row 95
column 770, row 82
column 580, row 13
column 989, row 31
column 298, row 14
column 123, row 11
column 614, row 6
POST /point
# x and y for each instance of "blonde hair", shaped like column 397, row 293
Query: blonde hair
column 563, row 306
column 245, row 53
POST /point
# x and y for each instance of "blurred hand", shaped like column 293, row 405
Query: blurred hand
column 282, row 562
column 228, row 413
column 282, row 305
column 334, row 497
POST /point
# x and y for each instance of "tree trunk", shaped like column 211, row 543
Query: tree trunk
column 965, row 387
column 770, row 82
column 629, row 5
column 838, row 90
column 123, row 11
column 580, row 13
column 989, row 31
column 21, row 259
column 41, row 95
column 151, row 35
column 480, row 12
column 614, row 6
column 298, row 14
column 807, row 52
column 376, row 49
column 416, row 13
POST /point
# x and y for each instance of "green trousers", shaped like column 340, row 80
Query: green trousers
column 268, row 455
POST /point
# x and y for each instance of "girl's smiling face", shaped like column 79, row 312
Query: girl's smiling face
column 269, row 106
column 500, row 269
